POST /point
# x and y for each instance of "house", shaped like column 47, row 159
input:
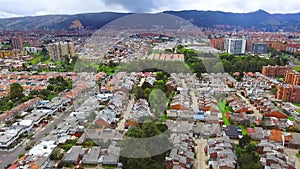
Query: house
column 295, row 141
column 199, row 115
column 233, row 132
column 92, row 156
column 182, row 154
column 280, row 137
column 272, row 155
column 220, row 153
column 257, row 133
column 204, row 130
column 112, row 156
column 72, row 156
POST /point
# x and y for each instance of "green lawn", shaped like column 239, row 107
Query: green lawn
column 298, row 155
column 296, row 69
column 244, row 130
column 292, row 118
column 224, row 109
column 296, row 104
column 164, row 117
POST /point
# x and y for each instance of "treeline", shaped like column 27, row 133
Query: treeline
column 247, row 155
column 146, row 64
column 16, row 94
column 150, row 142
column 210, row 63
column 56, row 86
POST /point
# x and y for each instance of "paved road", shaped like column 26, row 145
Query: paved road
column 10, row 157
column 201, row 157
column 256, row 112
column 194, row 99
column 126, row 114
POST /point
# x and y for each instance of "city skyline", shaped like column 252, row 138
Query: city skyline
column 12, row 8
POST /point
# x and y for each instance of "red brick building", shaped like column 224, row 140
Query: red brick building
column 274, row 71
column 292, row 78
column 290, row 92
column 218, row 43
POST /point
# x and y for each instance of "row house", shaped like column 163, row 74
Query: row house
column 182, row 153
column 221, row 153
column 272, row 155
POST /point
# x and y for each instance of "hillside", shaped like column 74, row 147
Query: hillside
column 258, row 19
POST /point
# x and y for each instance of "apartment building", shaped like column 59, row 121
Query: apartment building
column 60, row 49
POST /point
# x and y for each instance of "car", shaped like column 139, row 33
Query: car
column 7, row 166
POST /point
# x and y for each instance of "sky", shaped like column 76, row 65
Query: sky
column 15, row 8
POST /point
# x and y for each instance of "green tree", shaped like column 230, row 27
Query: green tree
column 150, row 129
column 138, row 93
column 245, row 140
column 135, row 132
column 16, row 92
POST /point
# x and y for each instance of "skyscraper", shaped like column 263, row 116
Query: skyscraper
column 17, row 43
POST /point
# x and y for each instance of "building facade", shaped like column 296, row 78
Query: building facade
column 291, row 91
column 274, row 71
column 292, row 78
column 16, row 43
column 235, row 46
column 260, row 48
column 60, row 49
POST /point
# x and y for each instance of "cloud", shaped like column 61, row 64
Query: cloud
column 40, row 7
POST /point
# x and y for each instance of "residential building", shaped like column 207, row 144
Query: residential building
column 274, row 71
column 235, row 46
column 260, row 48
column 17, row 43
column 218, row 43
column 289, row 92
column 292, row 78
column 60, row 49
column 220, row 153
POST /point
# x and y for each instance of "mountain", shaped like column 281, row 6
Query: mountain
column 88, row 20
column 258, row 19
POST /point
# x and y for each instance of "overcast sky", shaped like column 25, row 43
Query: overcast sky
column 11, row 8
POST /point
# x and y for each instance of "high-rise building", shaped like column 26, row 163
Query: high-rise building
column 235, row 46
column 17, row 43
column 58, row 50
column 260, row 48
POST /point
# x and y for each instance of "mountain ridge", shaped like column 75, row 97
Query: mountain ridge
column 258, row 19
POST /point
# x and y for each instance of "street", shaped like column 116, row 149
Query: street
column 10, row 157
column 201, row 157
column 256, row 112
column 126, row 114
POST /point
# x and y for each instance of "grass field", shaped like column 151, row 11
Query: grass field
column 292, row 118
column 224, row 109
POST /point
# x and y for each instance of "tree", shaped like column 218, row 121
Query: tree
column 245, row 140
column 135, row 132
column 16, row 92
column 161, row 84
column 57, row 154
column 138, row 93
column 150, row 129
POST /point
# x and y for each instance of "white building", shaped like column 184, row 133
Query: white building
column 31, row 49
column 235, row 45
